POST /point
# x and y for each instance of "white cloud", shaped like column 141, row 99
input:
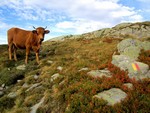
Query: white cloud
column 65, row 25
column 75, row 16
column 81, row 26
column 98, row 10
column 89, row 15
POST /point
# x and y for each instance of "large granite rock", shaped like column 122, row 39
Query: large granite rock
column 129, row 51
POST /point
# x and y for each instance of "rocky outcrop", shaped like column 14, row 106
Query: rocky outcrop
column 123, row 30
column 137, row 30
column 129, row 50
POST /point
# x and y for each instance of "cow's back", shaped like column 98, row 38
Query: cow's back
column 18, row 37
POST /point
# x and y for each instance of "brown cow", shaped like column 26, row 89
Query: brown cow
column 19, row 38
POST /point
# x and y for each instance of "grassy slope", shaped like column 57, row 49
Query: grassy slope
column 73, row 91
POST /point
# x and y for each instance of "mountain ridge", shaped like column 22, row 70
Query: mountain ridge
column 123, row 30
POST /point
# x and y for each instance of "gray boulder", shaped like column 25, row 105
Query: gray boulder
column 112, row 96
column 99, row 73
column 128, row 43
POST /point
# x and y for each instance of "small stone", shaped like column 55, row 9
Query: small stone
column 36, row 77
column 54, row 77
column 8, row 69
column 33, row 86
column 129, row 85
column 1, row 93
column 36, row 106
column 25, row 85
column 62, row 82
column 1, row 88
column 19, row 81
column 59, row 68
column 21, row 67
column 3, row 85
column 49, row 61
column 12, row 95
column 7, row 87
column 84, row 69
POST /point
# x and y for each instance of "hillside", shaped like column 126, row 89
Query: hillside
column 76, row 74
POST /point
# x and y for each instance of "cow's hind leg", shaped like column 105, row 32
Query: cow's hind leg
column 10, row 49
column 15, row 56
column 27, row 54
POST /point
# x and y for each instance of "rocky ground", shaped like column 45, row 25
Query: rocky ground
column 90, row 75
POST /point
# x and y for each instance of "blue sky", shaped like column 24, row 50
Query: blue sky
column 66, row 17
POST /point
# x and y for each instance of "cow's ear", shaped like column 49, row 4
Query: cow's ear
column 34, row 31
column 47, row 31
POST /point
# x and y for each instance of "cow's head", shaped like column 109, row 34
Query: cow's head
column 40, row 32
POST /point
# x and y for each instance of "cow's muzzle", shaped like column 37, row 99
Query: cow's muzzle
column 41, row 39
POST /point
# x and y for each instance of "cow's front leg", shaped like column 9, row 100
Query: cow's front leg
column 37, row 57
column 27, row 54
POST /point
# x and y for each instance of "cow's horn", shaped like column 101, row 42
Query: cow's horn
column 45, row 27
column 34, row 27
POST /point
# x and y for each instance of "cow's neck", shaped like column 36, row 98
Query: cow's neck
column 35, row 43
column 35, row 40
